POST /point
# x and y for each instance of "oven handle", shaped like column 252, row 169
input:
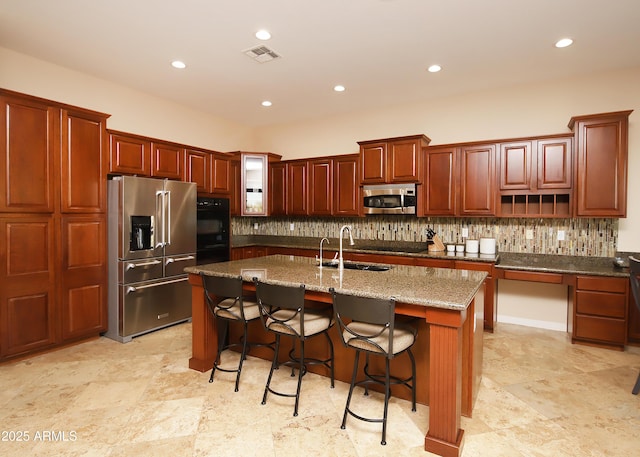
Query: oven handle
column 131, row 266
column 131, row 289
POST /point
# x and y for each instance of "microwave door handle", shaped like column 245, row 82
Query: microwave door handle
column 402, row 202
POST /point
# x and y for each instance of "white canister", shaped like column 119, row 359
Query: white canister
column 487, row 245
column 472, row 246
column 451, row 247
column 459, row 247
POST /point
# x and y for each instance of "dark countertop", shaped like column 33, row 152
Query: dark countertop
column 397, row 248
column 549, row 263
column 564, row 264
column 425, row 286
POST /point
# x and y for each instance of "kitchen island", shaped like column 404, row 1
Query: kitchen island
column 447, row 301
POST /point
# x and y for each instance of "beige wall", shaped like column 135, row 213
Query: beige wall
column 543, row 108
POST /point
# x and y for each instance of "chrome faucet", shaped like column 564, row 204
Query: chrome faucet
column 351, row 243
column 323, row 239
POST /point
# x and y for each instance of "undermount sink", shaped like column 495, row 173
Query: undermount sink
column 358, row 266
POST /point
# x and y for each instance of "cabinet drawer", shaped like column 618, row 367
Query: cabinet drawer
column 601, row 329
column 518, row 275
column 476, row 266
column 602, row 283
column 601, row 304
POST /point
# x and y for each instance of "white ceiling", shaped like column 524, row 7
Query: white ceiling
column 378, row 49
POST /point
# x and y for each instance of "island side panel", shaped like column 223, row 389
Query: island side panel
column 204, row 341
column 444, row 436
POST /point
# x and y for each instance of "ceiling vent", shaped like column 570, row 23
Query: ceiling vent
column 261, row 54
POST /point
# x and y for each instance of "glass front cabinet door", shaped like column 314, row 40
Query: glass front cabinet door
column 254, row 185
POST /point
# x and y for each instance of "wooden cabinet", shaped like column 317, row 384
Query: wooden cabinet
column 555, row 163
column 440, row 183
column 297, row 188
column 320, row 187
column 166, row 160
column 535, row 177
column 278, row 188
column 29, row 138
column 83, row 266
column 53, row 265
column 129, row 155
column 220, row 173
column 248, row 252
column 197, row 166
column 28, row 310
column 601, row 142
column 477, row 189
column 600, row 311
column 392, row 160
column 235, row 197
column 346, row 186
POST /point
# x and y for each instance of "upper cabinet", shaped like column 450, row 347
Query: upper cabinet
column 297, row 188
column 254, row 184
column 346, row 185
column 220, row 173
column 197, row 169
column 166, row 160
column 321, row 187
column 477, row 180
column 535, row 177
column 278, row 188
column 601, row 164
column 439, row 189
column 129, row 154
column 392, row 160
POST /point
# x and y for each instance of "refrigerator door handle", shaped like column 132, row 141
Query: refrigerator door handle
column 131, row 266
column 168, row 216
column 178, row 259
column 161, row 222
column 132, row 289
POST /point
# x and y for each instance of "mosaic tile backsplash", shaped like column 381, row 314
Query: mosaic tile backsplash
column 583, row 237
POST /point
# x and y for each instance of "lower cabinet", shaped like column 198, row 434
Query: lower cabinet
column 600, row 311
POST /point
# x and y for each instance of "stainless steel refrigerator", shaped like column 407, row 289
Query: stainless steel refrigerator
column 152, row 238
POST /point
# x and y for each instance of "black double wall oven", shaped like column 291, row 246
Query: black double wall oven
column 213, row 230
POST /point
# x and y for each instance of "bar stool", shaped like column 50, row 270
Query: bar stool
column 369, row 325
column 634, row 275
column 283, row 312
column 224, row 299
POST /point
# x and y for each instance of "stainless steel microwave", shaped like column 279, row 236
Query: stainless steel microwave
column 390, row 199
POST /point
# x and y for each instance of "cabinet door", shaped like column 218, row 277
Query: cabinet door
column 166, row 161
column 346, row 186
column 373, row 163
column 320, row 187
column 29, row 139
column 83, row 165
column 255, row 194
column 197, row 166
column 477, row 189
column 27, row 284
column 83, row 288
column 235, row 199
column 439, row 190
column 601, row 148
column 278, row 188
column 221, row 174
column 404, row 158
column 297, row 186
column 516, row 165
column 129, row 155
column 555, row 164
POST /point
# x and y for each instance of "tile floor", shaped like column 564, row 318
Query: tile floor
column 540, row 396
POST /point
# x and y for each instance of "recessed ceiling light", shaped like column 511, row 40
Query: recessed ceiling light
column 563, row 43
column 263, row 35
column 338, row 88
column 434, row 68
column 178, row 64
column 266, row 103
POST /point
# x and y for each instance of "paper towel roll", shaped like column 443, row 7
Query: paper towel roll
column 487, row 245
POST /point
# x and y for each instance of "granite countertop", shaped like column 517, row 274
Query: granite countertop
column 564, row 264
column 549, row 263
column 397, row 248
column 435, row 287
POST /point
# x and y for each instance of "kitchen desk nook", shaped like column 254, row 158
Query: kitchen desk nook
column 448, row 303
